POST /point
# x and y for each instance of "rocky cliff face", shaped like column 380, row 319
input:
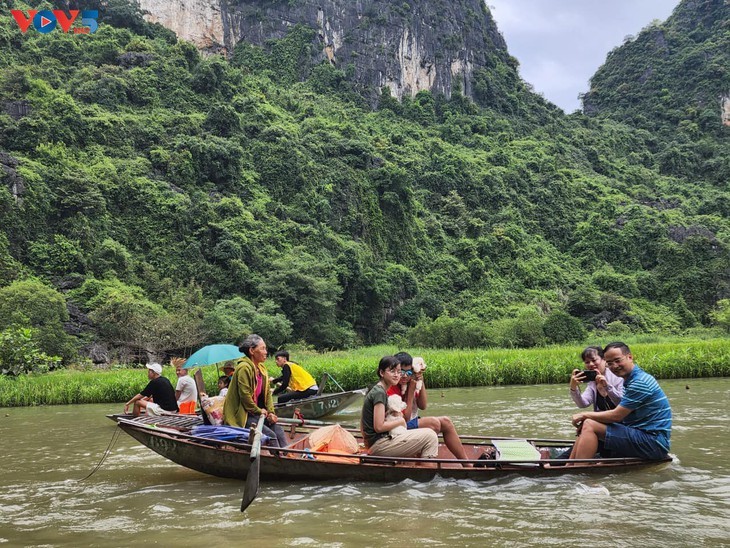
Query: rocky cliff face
column 197, row 21
column 406, row 45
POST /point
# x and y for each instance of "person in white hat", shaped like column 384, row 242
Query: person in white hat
column 157, row 397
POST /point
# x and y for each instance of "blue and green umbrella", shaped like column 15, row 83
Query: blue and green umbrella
column 213, row 353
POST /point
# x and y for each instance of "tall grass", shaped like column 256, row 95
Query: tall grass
column 357, row 368
column 549, row 365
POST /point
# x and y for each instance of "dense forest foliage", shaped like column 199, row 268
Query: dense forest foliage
column 671, row 80
column 153, row 200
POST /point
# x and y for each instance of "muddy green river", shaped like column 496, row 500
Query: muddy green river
column 138, row 498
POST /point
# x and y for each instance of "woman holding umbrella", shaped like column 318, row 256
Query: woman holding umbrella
column 249, row 395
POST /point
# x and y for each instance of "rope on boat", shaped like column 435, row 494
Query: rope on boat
column 115, row 437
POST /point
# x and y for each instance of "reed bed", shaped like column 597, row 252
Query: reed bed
column 357, row 368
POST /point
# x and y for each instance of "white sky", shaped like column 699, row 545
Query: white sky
column 561, row 43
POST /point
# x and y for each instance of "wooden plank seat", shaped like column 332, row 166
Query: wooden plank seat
column 170, row 421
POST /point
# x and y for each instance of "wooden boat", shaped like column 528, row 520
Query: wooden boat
column 170, row 437
column 320, row 406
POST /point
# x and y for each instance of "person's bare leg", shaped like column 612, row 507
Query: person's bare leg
column 139, row 406
column 444, row 426
column 452, row 440
column 587, row 443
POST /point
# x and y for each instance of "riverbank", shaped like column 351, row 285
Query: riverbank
column 356, row 368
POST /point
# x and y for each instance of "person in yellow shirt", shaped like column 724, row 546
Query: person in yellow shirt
column 294, row 378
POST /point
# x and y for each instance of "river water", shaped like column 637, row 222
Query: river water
column 139, row 498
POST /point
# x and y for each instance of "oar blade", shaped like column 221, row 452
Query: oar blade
column 251, row 488
column 252, row 485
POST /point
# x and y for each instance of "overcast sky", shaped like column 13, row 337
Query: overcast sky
column 561, row 43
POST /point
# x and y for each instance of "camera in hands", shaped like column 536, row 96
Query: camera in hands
column 589, row 375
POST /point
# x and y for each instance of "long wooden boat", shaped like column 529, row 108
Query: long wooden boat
column 320, row 406
column 170, row 437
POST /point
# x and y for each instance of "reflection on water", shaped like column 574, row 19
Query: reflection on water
column 139, row 497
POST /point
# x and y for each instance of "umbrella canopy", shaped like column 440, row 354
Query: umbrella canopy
column 213, row 353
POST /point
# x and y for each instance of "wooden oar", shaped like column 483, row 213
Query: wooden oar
column 252, row 479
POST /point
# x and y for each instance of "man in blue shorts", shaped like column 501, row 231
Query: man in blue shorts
column 641, row 424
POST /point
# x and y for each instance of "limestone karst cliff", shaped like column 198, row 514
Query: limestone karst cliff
column 669, row 71
column 197, row 21
column 406, row 45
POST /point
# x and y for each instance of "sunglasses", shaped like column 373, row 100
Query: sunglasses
column 406, row 372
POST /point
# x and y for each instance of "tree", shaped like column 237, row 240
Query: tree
column 32, row 304
column 232, row 319
column 560, row 327
column 720, row 316
column 19, row 353
column 129, row 320
column 112, row 258
column 305, row 288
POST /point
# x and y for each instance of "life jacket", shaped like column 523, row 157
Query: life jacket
column 300, row 380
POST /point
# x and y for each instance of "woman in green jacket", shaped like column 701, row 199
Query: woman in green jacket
column 249, row 395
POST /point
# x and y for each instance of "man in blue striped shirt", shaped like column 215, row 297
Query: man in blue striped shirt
column 640, row 426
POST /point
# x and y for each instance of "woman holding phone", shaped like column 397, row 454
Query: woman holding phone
column 605, row 392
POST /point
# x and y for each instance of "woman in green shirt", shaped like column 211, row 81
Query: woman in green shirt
column 249, row 395
column 419, row 442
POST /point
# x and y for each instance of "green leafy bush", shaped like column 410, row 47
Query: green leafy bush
column 447, row 332
column 20, row 353
column 560, row 327
column 33, row 304
column 721, row 314
column 522, row 331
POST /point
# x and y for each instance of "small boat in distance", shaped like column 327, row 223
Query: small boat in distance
column 321, row 405
column 318, row 407
column 171, row 437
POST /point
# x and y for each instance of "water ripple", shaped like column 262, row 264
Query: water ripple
column 138, row 497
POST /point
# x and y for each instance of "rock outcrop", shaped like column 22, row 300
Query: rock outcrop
column 197, row 21
column 407, row 46
column 11, row 177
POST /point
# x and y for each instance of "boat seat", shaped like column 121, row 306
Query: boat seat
column 516, row 450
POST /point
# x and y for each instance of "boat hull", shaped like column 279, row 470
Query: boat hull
column 320, row 406
column 232, row 460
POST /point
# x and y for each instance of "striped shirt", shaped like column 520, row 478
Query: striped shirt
column 649, row 406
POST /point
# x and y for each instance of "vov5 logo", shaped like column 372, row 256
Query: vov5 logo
column 45, row 21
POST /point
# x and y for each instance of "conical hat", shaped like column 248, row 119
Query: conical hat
column 333, row 438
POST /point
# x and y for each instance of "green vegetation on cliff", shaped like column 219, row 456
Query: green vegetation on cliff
column 172, row 199
column 672, row 80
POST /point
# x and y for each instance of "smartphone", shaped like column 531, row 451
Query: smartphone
column 589, row 375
